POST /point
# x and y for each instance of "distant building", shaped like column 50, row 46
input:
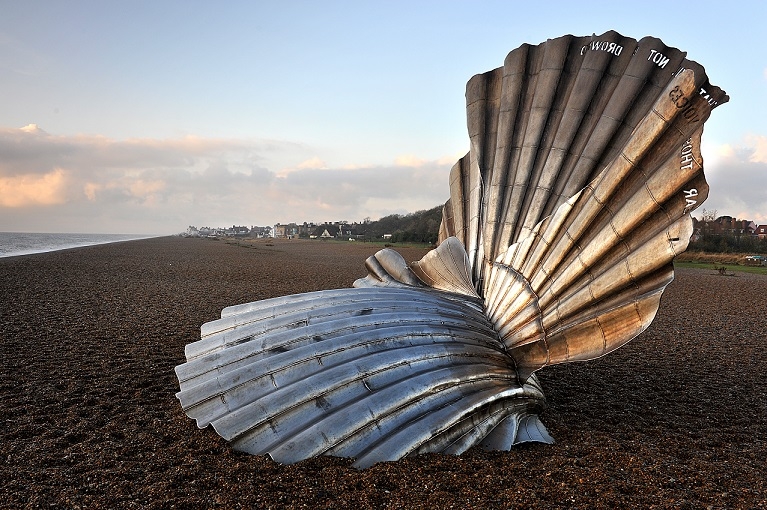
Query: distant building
column 288, row 231
column 723, row 226
column 237, row 231
column 326, row 231
column 260, row 232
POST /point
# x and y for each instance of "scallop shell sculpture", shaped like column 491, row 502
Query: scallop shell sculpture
column 556, row 244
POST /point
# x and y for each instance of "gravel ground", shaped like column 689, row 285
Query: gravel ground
column 89, row 338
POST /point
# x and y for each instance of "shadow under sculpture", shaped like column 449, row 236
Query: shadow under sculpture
column 555, row 246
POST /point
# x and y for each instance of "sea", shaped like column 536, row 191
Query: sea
column 20, row 243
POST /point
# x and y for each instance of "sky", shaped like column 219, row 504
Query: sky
column 146, row 117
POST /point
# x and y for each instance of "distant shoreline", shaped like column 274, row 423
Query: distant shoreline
column 19, row 244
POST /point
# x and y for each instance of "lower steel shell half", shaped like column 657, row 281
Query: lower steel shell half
column 371, row 373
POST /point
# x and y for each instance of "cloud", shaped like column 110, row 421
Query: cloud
column 415, row 162
column 737, row 175
column 32, row 128
column 311, row 163
column 375, row 191
column 93, row 183
column 314, row 162
column 409, row 160
column 759, row 154
column 21, row 190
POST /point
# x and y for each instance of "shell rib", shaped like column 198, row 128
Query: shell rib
column 556, row 245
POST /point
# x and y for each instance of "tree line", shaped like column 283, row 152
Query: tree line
column 418, row 227
column 423, row 227
column 729, row 243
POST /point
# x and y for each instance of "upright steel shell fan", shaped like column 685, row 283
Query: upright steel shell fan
column 555, row 246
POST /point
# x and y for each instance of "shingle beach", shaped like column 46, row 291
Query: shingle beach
column 89, row 338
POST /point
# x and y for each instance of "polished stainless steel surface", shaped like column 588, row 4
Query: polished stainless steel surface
column 556, row 245
column 349, row 372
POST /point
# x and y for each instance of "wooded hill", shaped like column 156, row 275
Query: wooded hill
column 417, row 227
